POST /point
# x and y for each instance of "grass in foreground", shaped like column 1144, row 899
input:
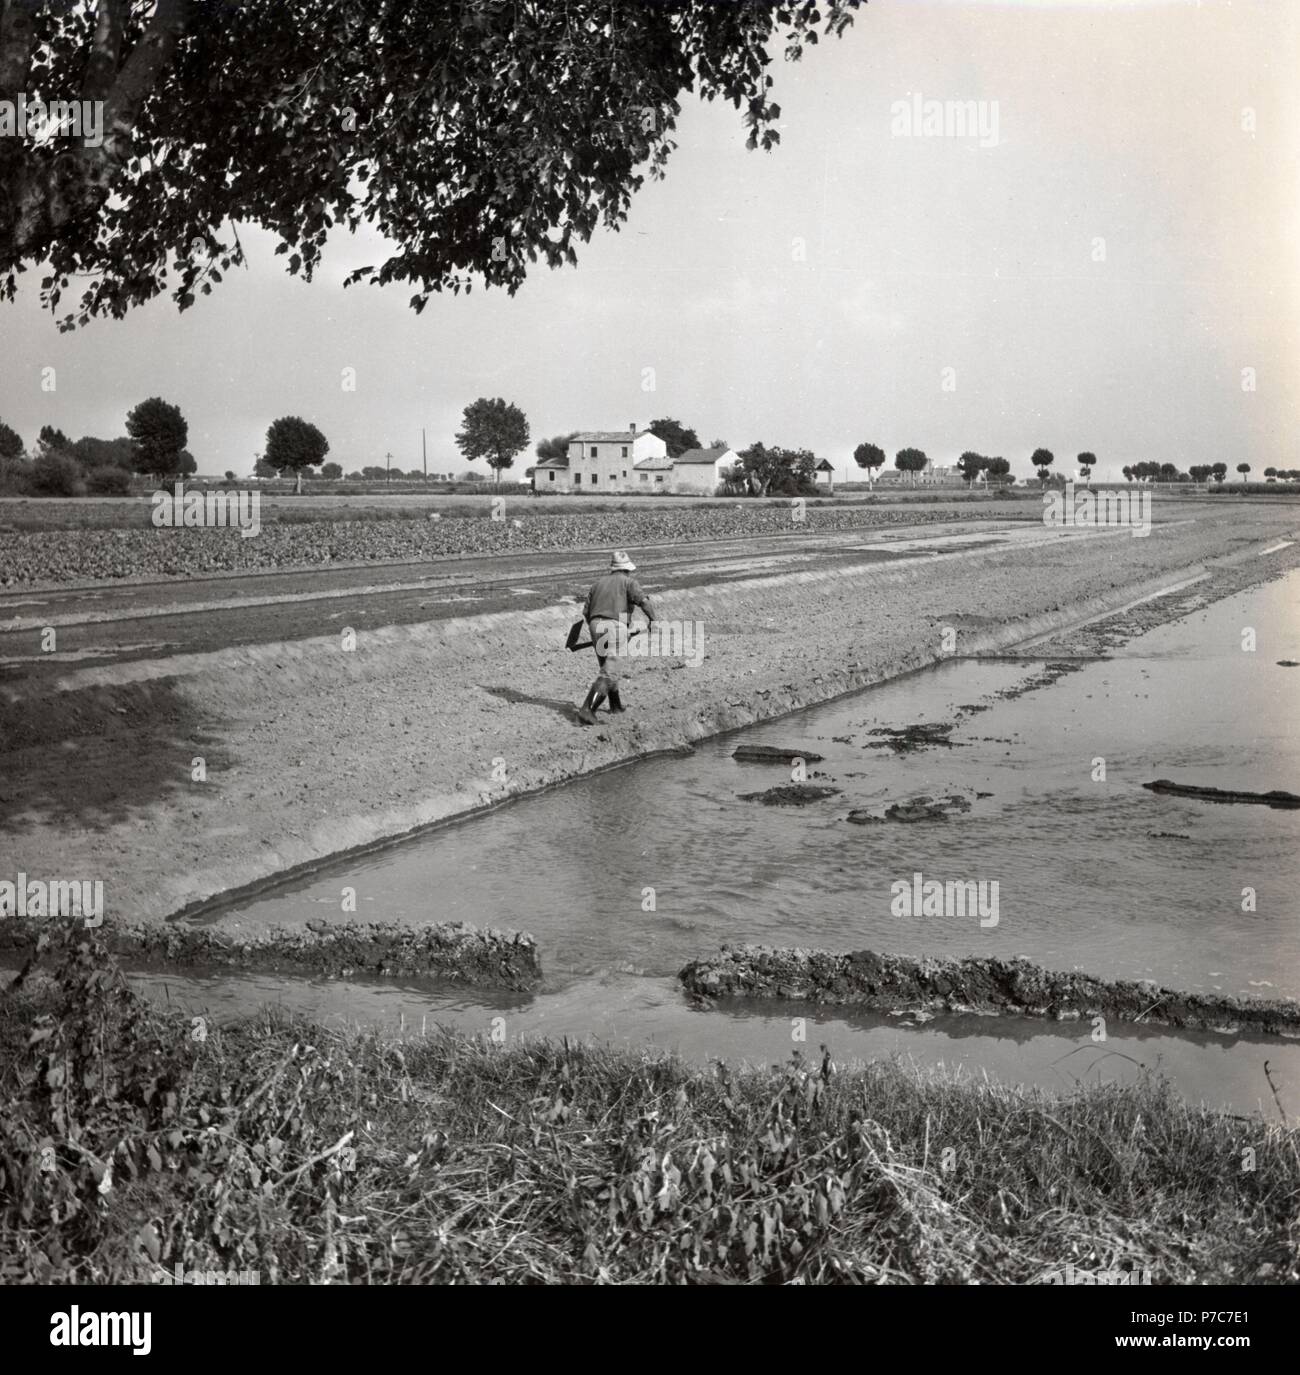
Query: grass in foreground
column 134, row 1139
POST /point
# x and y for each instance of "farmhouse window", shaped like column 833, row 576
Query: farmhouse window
column 551, row 476
column 624, row 450
column 593, row 451
column 577, row 479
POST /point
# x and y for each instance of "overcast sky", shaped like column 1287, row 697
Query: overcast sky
column 1098, row 278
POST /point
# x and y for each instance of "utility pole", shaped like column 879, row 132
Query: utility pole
column 424, row 454
column 388, row 464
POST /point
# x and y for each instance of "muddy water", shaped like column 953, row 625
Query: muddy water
column 626, row 876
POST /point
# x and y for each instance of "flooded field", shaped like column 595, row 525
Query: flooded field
column 630, row 874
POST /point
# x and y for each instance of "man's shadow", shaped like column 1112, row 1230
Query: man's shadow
column 565, row 709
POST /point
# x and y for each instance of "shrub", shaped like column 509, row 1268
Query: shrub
column 56, row 474
column 108, row 481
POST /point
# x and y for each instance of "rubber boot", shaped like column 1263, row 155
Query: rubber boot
column 587, row 711
column 615, row 701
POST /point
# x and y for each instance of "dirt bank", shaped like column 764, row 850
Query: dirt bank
column 863, row 978
column 173, row 781
column 451, row 952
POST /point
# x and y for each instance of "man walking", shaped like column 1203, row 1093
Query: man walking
column 608, row 611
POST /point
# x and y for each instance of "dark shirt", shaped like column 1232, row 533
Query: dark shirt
column 613, row 594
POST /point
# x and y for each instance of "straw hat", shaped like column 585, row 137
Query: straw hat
column 621, row 563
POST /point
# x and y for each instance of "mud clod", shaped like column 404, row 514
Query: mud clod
column 909, row 738
column 774, row 754
column 790, row 795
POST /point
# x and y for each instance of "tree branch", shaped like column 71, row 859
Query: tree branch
column 105, row 49
column 17, row 39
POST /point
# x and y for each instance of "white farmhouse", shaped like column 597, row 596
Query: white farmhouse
column 631, row 461
column 700, row 470
column 604, row 460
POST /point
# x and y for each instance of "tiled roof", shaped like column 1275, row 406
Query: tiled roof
column 554, row 462
column 608, row 436
column 825, row 466
column 700, row 455
column 657, row 464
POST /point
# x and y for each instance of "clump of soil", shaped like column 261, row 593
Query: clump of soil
column 774, row 754
column 909, row 738
column 1276, row 798
column 864, row 978
column 790, row 795
column 915, row 809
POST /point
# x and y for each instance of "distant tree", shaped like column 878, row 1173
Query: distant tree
column 1199, row 472
column 469, row 475
column 355, row 477
column 1219, row 471
column 187, row 464
column 675, row 435
column 105, row 453
column 1086, row 462
column 1042, row 459
column 11, row 443
column 230, row 475
column 395, row 473
column 494, row 430
column 160, row 431
column 293, row 444
column 1168, row 472
column 52, row 441
column 1270, row 472
column 1243, row 469
column 869, row 456
column 1128, row 473
column 970, row 465
column 332, row 470
column 57, row 474
column 719, row 444
column 785, row 472
column 999, row 469
column 264, row 469
column 911, row 461
column 555, row 447
column 108, row 480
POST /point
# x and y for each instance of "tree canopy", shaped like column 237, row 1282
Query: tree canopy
column 675, row 435
column 11, row 442
column 555, row 447
column 160, row 432
column 869, row 456
column 294, row 444
column 911, row 461
column 478, row 137
column 779, row 472
column 495, row 430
